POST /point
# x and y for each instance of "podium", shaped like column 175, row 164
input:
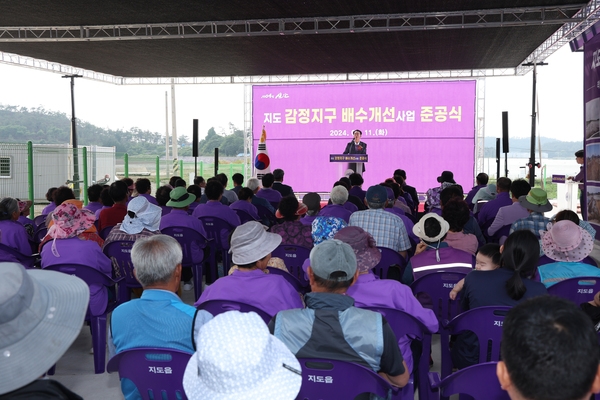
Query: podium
column 342, row 159
column 566, row 193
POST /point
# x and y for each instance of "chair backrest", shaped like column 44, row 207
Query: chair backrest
column 8, row 254
column 292, row 280
column 479, row 381
column 265, row 214
column 332, row 379
column 40, row 233
column 389, row 257
column 40, row 220
column 486, row 323
column 244, row 216
column 547, row 260
column 217, row 229
column 216, row 307
column 437, row 286
column 578, row 290
column 192, row 243
column 88, row 274
column 293, row 257
column 105, row 231
column 119, row 253
column 157, row 373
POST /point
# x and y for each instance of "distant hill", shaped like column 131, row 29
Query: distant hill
column 554, row 148
column 20, row 124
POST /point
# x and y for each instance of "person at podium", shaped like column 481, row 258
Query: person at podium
column 356, row 146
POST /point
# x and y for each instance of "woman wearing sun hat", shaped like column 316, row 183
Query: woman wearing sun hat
column 370, row 291
column 68, row 243
column 251, row 248
column 292, row 231
column 567, row 244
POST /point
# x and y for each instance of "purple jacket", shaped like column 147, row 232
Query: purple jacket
column 14, row 235
column 93, row 206
column 150, row 199
column 244, row 205
column 488, row 210
column 218, row 210
column 336, row 210
column 271, row 195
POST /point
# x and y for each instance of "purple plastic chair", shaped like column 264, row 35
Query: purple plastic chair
column 486, row 323
column 40, row 220
column 292, row 280
column 332, row 379
column 97, row 322
column 266, row 215
column 119, row 253
column 8, row 254
column 217, row 230
column 293, row 257
column 244, row 216
column 193, row 245
column 216, row 307
column 157, row 373
column 405, row 324
column 478, row 381
column 105, row 231
column 578, row 290
column 389, row 257
column 547, row 260
column 438, row 286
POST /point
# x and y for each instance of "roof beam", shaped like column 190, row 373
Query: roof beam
column 507, row 17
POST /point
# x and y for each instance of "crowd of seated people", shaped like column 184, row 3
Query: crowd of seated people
column 344, row 240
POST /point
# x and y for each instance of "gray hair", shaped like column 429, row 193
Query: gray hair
column 155, row 258
column 8, row 206
column 339, row 195
column 253, row 184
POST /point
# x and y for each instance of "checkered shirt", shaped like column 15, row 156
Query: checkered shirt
column 535, row 223
column 387, row 229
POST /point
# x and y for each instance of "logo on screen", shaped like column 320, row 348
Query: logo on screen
column 275, row 96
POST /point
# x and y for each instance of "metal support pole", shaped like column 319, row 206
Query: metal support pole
column 85, row 176
column 181, row 169
column 157, row 172
column 30, row 176
column 201, row 168
column 532, row 163
column 126, row 162
column 74, row 136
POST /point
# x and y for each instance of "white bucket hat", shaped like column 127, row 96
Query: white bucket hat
column 147, row 215
column 41, row 314
column 250, row 242
column 249, row 364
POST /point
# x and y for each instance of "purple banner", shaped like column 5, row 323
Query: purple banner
column 421, row 127
column 591, row 82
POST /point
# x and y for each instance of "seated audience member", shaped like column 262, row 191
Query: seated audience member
column 159, row 318
column 508, row 214
column 572, row 216
column 254, row 185
column 338, row 196
column 330, row 321
column 111, row 216
column 94, row 203
column 196, row 191
column 173, row 180
column 484, row 195
column 244, row 203
column 396, row 200
column 433, row 195
column 163, row 196
column 505, row 286
column 549, row 351
column 400, row 178
column 107, row 201
column 487, row 259
column 130, row 186
column 50, row 197
column 432, row 250
column 488, row 211
column 24, row 210
column 238, row 182
column 278, row 184
column 267, row 192
column 370, row 291
column 251, row 248
column 200, row 182
column 249, row 364
column 354, row 203
column 356, row 182
column 471, row 226
column 214, row 207
column 387, row 229
column 230, row 195
column 62, row 194
column 204, row 198
column 536, row 203
column 72, row 240
column 312, row 201
column 180, row 183
column 456, row 212
column 482, row 180
column 41, row 314
column 144, row 188
column 142, row 219
column 566, row 244
column 13, row 233
column 291, row 230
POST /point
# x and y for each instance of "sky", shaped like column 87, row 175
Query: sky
column 559, row 87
